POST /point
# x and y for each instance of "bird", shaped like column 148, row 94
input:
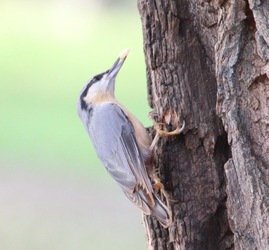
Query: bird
column 121, row 142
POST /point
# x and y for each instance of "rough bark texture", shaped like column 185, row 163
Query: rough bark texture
column 207, row 64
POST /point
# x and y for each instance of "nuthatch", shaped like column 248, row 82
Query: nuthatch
column 121, row 141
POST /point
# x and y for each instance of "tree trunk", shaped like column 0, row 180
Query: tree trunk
column 207, row 64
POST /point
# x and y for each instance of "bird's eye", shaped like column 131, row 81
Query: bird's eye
column 98, row 77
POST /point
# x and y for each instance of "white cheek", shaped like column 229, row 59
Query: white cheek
column 96, row 89
column 90, row 95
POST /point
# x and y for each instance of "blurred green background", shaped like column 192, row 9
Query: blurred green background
column 54, row 192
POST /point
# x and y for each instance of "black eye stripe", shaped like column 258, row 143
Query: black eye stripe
column 89, row 84
column 98, row 77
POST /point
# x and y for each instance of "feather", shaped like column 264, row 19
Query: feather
column 114, row 139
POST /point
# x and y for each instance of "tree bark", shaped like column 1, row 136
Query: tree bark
column 207, row 64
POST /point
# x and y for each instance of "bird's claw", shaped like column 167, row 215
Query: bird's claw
column 158, row 185
column 177, row 131
column 160, row 132
column 155, row 118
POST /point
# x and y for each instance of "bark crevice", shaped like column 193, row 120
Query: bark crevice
column 208, row 64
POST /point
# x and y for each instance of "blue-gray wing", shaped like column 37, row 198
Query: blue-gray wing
column 113, row 137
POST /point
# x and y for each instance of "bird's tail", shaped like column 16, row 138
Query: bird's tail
column 156, row 208
column 161, row 212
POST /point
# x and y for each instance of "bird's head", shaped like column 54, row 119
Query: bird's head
column 102, row 85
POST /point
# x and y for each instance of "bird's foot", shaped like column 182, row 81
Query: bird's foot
column 160, row 132
column 158, row 184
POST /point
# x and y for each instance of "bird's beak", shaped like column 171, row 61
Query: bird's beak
column 114, row 70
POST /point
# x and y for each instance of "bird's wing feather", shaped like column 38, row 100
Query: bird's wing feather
column 115, row 144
